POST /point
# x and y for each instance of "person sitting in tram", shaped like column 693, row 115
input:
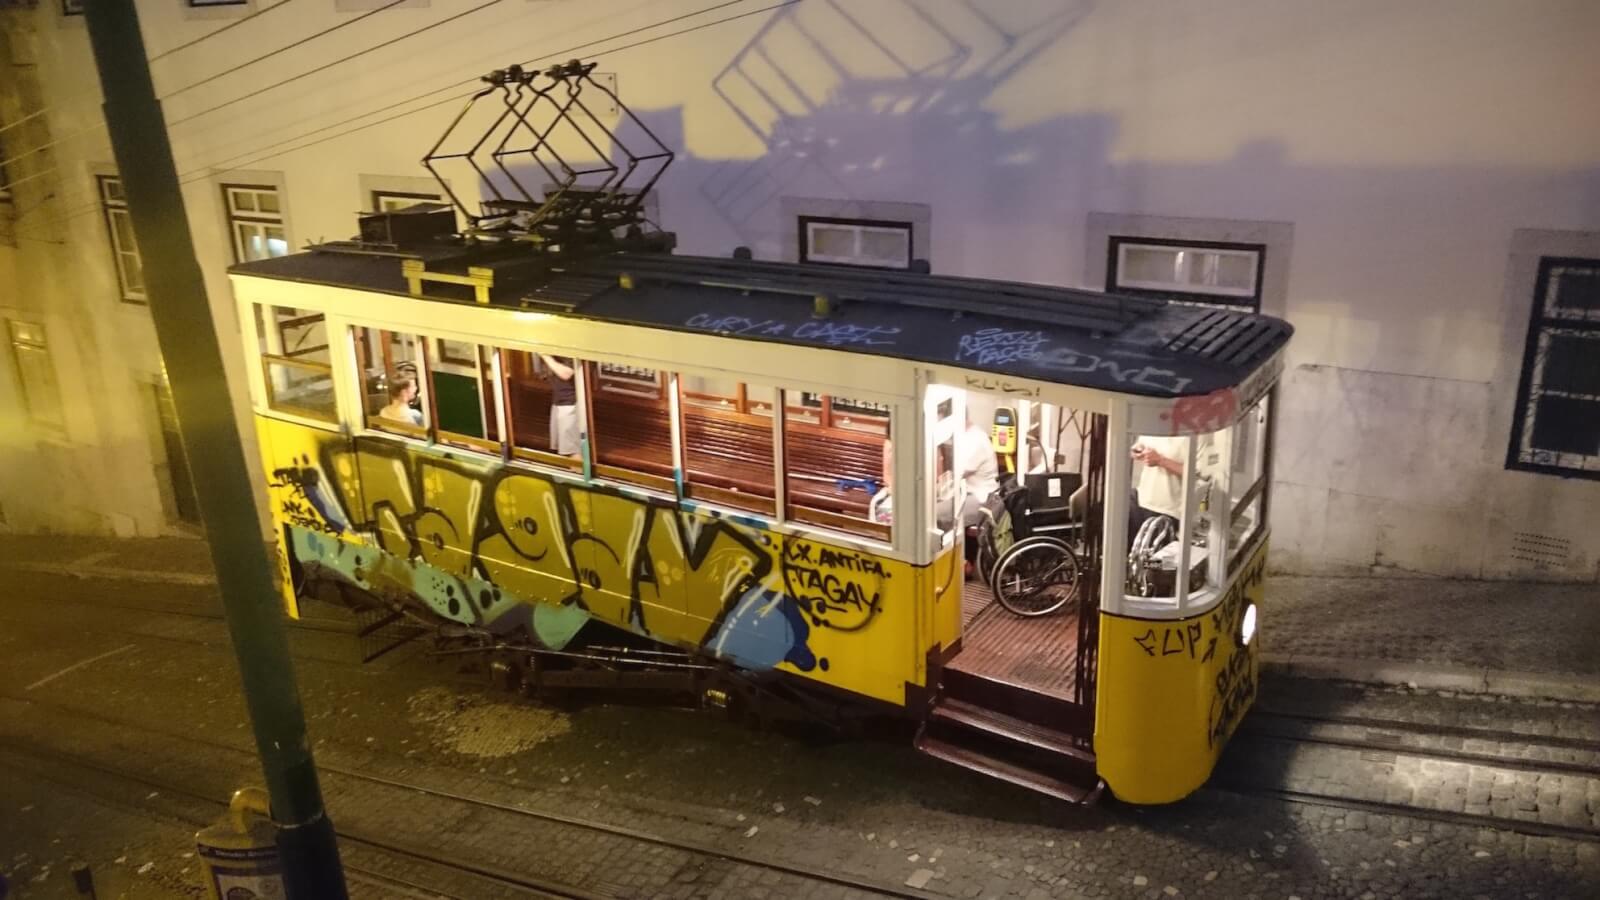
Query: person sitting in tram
column 402, row 390
column 559, row 372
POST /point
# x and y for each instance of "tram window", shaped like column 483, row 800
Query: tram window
column 630, row 425
column 543, row 417
column 461, row 383
column 834, row 461
column 295, row 364
column 1248, row 481
column 1157, row 523
column 727, row 442
column 394, row 395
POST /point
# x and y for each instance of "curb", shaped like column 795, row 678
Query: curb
column 113, row 573
column 1465, row 679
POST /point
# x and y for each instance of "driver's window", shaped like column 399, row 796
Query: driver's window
column 1157, row 515
column 1178, row 516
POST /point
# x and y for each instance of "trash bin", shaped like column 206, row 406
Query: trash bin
column 239, row 853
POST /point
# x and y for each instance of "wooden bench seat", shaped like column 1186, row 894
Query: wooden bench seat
column 730, row 451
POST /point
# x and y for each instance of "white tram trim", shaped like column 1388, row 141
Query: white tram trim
column 767, row 364
column 352, row 418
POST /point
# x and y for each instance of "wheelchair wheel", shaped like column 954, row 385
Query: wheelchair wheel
column 1036, row 576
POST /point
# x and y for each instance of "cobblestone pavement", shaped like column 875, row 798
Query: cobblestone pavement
column 1543, row 628
column 1516, row 627
column 875, row 810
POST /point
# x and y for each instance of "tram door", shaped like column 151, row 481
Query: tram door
column 944, row 417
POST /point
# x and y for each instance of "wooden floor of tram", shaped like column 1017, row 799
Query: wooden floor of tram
column 1036, row 654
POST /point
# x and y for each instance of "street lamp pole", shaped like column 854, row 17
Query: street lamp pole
column 190, row 348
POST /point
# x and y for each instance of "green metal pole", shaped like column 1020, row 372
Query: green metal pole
column 189, row 346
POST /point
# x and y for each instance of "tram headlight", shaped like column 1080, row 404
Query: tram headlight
column 1247, row 625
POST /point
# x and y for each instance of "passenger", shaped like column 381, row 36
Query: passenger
column 978, row 469
column 559, row 372
column 402, row 390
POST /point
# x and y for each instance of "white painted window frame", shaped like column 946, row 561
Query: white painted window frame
column 859, row 228
column 1188, row 254
column 393, row 201
column 116, row 208
column 243, row 222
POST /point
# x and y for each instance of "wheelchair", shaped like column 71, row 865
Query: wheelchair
column 1024, row 550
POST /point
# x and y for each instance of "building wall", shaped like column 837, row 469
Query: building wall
column 1414, row 158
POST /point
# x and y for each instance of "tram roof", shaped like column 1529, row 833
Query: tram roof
column 1127, row 344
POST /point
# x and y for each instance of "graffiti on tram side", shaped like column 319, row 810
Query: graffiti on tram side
column 838, row 589
column 834, row 334
column 999, row 347
column 997, row 385
column 1206, row 413
column 1235, row 682
column 1215, row 639
column 471, row 542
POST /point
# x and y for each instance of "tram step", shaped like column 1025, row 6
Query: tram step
column 967, row 715
column 1084, row 794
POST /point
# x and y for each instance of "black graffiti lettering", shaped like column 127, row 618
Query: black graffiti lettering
column 1147, row 642
column 984, row 383
column 1171, row 642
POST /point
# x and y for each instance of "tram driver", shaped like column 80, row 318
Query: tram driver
column 560, row 372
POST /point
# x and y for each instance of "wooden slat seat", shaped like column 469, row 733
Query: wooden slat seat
column 730, row 450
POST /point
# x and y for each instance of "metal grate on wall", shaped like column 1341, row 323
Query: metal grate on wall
column 1542, row 551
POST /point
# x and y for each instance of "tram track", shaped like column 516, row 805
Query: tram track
column 698, row 854
column 363, row 870
column 1375, row 746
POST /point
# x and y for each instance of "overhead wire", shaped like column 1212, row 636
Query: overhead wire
column 211, row 34
column 474, row 80
column 100, row 124
column 325, row 66
column 285, row 48
column 164, row 54
column 205, row 171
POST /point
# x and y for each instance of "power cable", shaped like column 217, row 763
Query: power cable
column 470, row 81
column 211, row 34
column 205, row 171
column 35, row 114
column 285, row 48
column 205, row 37
column 340, row 61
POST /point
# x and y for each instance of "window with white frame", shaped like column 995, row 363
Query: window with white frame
column 255, row 218
column 392, row 201
column 124, row 249
column 1210, row 272
column 36, row 374
column 855, row 242
column 1200, row 505
column 1556, row 428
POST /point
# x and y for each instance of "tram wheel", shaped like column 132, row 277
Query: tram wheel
column 1036, row 576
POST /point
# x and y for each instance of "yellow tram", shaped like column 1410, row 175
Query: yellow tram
column 563, row 458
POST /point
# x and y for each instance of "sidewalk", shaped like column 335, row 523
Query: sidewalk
column 1526, row 640
column 1531, row 640
column 177, row 560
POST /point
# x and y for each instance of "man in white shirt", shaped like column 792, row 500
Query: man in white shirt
column 978, row 469
column 1160, row 481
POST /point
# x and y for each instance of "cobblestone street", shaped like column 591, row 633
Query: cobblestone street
column 429, row 758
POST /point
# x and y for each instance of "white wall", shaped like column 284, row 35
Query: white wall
column 1406, row 145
